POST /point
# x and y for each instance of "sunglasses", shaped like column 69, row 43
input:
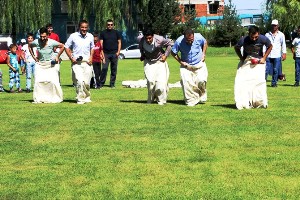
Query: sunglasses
column 110, row 24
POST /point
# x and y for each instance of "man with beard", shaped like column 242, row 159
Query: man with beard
column 155, row 66
column 110, row 40
column 46, row 86
column 250, row 90
column 82, row 44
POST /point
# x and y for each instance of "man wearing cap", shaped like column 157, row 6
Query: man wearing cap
column 278, row 53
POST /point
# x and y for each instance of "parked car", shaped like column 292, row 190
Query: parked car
column 132, row 51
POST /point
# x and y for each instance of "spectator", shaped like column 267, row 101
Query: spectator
column 193, row 69
column 12, row 62
column 277, row 54
column 250, row 90
column 98, row 57
column 29, row 60
column 296, row 57
column 110, row 40
column 51, row 34
column 155, row 65
column 82, row 44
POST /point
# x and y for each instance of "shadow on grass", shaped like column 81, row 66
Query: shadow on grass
column 179, row 102
column 231, row 106
column 64, row 101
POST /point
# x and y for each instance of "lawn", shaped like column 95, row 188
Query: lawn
column 120, row 147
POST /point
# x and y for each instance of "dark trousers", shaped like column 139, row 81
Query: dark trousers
column 113, row 60
column 97, row 71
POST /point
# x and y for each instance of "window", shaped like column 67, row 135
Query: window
column 64, row 6
column 213, row 7
column 71, row 28
column 189, row 7
column 133, row 47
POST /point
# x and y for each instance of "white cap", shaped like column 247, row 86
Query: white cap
column 23, row 41
column 274, row 22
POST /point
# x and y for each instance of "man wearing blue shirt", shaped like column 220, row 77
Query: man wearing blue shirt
column 82, row 44
column 193, row 71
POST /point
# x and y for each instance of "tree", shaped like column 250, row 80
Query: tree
column 161, row 16
column 228, row 29
column 286, row 11
column 189, row 17
column 22, row 15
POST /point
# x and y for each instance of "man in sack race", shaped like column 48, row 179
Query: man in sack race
column 250, row 89
column 81, row 56
column 47, row 88
column 156, row 68
column 193, row 71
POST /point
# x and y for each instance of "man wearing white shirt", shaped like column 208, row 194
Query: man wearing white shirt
column 82, row 44
column 277, row 54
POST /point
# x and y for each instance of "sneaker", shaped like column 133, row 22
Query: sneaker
column 11, row 91
column 28, row 90
column 20, row 90
column 296, row 84
column 283, row 77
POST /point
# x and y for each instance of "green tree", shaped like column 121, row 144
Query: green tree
column 286, row 11
column 22, row 15
column 228, row 29
column 161, row 16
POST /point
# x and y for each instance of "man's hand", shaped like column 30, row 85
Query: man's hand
column 163, row 58
column 283, row 57
column 262, row 61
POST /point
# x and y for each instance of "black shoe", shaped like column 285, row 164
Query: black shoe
column 28, row 90
column 296, row 84
column 274, row 85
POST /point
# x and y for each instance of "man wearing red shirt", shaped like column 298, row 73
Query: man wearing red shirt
column 98, row 57
column 52, row 35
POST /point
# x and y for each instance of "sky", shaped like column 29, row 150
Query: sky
column 248, row 6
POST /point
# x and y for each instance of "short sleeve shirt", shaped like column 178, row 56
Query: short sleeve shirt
column 110, row 41
column 81, row 45
column 45, row 53
column 253, row 48
column 191, row 54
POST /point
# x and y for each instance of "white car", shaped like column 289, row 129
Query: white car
column 132, row 51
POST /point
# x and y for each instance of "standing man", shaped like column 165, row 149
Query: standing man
column 98, row 57
column 110, row 40
column 29, row 60
column 193, row 71
column 51, row 34
column 155, row 65
column 277, row 54
column 82, row 44
column 250, row 89
column 296, row 57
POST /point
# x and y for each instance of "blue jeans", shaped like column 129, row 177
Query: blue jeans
column 14, row 78
column 113, row 60
column 30, row 66
column 297, row 69
column 274, row 65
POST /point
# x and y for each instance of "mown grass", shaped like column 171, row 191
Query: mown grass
column 119, row 147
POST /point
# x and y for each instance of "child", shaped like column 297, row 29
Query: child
column 12, row 62
column 1, row 86
column 296, row 56
column 29, row 60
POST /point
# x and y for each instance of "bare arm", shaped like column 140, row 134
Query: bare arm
column 102, row 52
column 69, row 54
column 119, row 47
column 263, row 59
column 61, row 50
column 8, row 63
column 238, row 52
column 204, row 51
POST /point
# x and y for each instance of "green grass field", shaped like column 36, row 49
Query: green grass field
column 120, row 147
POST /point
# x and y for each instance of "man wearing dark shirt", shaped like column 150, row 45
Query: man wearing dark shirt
column 110, row 40
column 250, row 89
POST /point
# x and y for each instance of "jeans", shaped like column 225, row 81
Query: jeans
column 273, row 64
column 113, row 60
column 96, row 76
column 297, row 69
column 30, row 66
column 14, row 78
